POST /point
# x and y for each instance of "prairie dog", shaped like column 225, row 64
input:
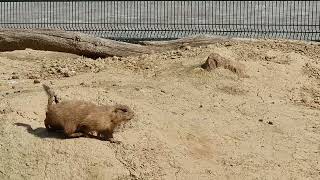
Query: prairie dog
column 77, row 118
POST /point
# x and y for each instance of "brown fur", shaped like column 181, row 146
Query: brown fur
column 78, row 118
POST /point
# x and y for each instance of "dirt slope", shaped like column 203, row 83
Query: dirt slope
column 189, row 123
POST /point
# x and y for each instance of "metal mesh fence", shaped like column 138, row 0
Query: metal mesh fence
column 158, row 20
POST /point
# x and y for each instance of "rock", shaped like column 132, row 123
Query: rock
column 187, row 47
column 15, row 77
column 216, row 61
column 33, row 76
column 270, row 122
column 52, row 71
column 66, row 72
column 69, row 73
column 36, row 81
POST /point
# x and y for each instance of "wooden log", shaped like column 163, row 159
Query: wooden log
column 90, row 46
column 193, row 41
column 69, row 42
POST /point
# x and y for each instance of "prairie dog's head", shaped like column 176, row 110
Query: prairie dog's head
column 123, row 112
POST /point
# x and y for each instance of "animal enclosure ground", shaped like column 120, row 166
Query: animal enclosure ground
column 189, row 123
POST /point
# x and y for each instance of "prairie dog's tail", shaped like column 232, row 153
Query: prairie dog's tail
column 51, row 95
column 123, row 112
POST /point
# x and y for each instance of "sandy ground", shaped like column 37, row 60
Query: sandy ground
column 189, row 123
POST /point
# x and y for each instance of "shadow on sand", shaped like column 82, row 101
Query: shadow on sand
column 42, row 132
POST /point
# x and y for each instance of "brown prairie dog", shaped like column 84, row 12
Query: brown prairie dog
column 77, row 118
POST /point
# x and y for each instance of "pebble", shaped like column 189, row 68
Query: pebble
column 15, row 77
column 270, row 122
column 187, row 47
column 33, row 76
column 36, row 81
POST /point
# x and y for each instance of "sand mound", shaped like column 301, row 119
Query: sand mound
column 190, row 123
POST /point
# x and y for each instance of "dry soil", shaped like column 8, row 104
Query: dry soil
column 189, row 123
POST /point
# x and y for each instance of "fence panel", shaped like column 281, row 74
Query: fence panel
column 158, row 20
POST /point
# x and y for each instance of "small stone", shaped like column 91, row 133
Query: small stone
column 67, row 73
column 201, row 106
column 33, row 76
column 15, row 77
column 53, row 71
column 82, row 83
column 7, row 93
column 163, row 91
column 270, row 122
column 260, row 120
column 187, row 47
column 178, row 53
column 216, row 104
column 36, row 81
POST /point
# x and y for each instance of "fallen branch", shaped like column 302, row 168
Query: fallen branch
column 95, row 47
column 69, row 42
